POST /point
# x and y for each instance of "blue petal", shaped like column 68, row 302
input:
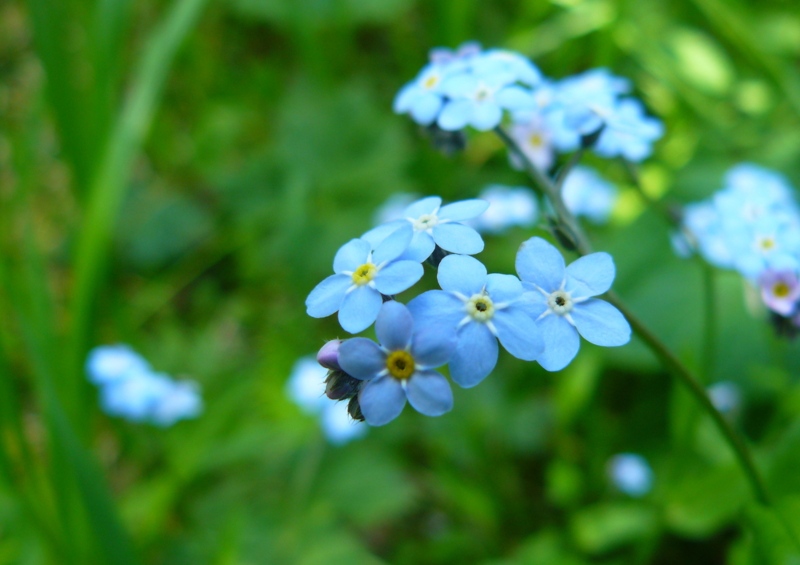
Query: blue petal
column 590, row 275
column 534, row 303
column 351, row 255
column 455, row 115
column 409, row 94
column 422, row 207
column 327, row 296
column 359, row 309
column 382, row 400
column 394, row 244
column 601, row 323
column 515, row 98
column 398, row 276
column 420, row 248
column 503, row 288
column 437, row 307
column 458, row 238
column 426, row 108
column 461, row 273
column 461, row 85
column 463, row 210
column 486, row 115
column 376, row 235
column 394, row 326
column 561, row 342
column 429, row 393
column 433, row 344
column 519, row 334
column 540, row 263
column 361, row 358
column 475, row 355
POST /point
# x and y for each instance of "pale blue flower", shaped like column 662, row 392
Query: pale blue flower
column 780, row 291
column 561, row 300
column 725, row 396
column 401, row 367
column 503, row 61
column 181, row 400
column 627, row 131
column 363, row 274
column 423, row 97
column 135, row 397
column 479, row 100
column 108, row 363
column 483, row 309
column 587, row 194
column 306, row 388
column 444, row 56
column 534, row 138
column 589, row 98
column 631, row 474
column 508, row 206
column 434, row 224
column 393, row 208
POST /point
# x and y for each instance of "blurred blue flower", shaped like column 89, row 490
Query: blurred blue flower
column 393, row 208
column 362, row 274
column 108, row 363
column 631, row 474
column 434, row 224
column 534, row 137
column 780, row 291
column 725, row 396
column 478, row 100
column 134, row 397
column 180, row 400
column 306, row 388
column 561, row 300
column 401, row 367
column 589, row 98
column 508, row 206
column 628, row 132
column 483, row 309
column 587, row 194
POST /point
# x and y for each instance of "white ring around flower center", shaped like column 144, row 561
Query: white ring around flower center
column 480, row 307
column 560, row 302
column 426, row 222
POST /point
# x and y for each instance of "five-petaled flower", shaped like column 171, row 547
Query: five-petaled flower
column 401, row 367
column 562, row 300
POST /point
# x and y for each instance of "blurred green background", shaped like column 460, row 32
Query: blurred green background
column 178, row 176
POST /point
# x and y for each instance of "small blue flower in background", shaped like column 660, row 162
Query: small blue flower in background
column 130, row 389
column 434, row 224
column 483, row 309
column 589, row 97
column 587, row 194
column 306, row 388
column 725, row 396
column 363, row 273
column 393, row 208
column 508, row 206
column 534, row 137
column 631, row 474
column 561, row 300
column 108, row 363
column 628, row 132
column 780, row 291
column 401, row 367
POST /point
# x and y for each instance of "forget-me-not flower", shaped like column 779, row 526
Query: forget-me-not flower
column 434, row 224
column 587, row 194
column 631, row 474
column 628, row 132
column 780, row 291
column 725, row 396
column 484, row 309
column 400, row 368
column 109, row 363
column 508, row 206
column 134, row 398
column 362, row 275
column 562, row 300
column 179, row 400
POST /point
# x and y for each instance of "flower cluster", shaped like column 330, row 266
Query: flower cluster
column 630, row 474
column 751, row 225
column 537, row 315
column 473, row 87
column 130, row 389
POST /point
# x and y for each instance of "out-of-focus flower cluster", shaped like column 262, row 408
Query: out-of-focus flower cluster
column 481, row 88
column 130, row 389
column 751, row 225
column 537, row 315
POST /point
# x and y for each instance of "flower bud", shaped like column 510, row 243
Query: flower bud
column 328, row 355
column 448, row 142
column 339, row 385
column 354, row 409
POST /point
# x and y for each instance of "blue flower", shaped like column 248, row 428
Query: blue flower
column 508, row 206
column 631, row 474
column 587, row 194
column 306, row 388
column 479, row 100
column 108, row 363
column 423, row 98
column 561, row 300
column 363, row 274
column 401, row 367
column 180, row 400
column 434, row 224
column 135, row 397
column 628, row 132
column 725, row 396
column 484, row 309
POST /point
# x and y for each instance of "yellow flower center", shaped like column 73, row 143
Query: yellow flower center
column 400, row 364
column 766, row 243
column 430, row 82
column 364, row 274
column 536, row 140
column 781, row 290
column 480, row 307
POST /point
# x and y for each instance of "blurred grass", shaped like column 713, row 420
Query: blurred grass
column 185, row 199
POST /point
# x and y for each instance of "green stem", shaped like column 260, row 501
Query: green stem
column 667, row 358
